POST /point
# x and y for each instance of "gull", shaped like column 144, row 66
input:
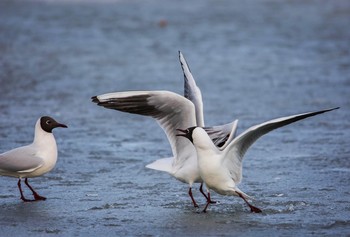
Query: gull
column 32, row 160
column 221, row 167
column 172, row 111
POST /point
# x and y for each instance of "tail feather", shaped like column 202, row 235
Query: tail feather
column 164, row 164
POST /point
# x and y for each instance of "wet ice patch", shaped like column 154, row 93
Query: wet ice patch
column 91, row 194
column 109, row 206
column 292, row 206
column 341, row 169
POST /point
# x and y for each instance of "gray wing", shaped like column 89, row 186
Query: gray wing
column 20, row 160
column 223, row 134
column 241, row 143
column 170, row 110
column 192, row 91
column 219, row 134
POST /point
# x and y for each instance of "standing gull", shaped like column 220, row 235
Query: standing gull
column 172, row 111
column 221, row 168
column 35, row 159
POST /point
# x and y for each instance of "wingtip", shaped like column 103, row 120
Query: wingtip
column 184, row 64
column 181, row 58
column 235, row 122
column 94, row 99
column 331, row 109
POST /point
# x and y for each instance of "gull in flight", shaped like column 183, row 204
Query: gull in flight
column 172, row 111
column 32, row 160
column 221, row 167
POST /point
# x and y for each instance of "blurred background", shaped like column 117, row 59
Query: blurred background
column 253, row 60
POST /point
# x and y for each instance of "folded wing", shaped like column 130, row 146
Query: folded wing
column 20, row 160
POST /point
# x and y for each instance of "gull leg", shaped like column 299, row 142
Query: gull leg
column 208, row 202
column 252, row 208
column 206, row 197
column 20, row 190
column 37, row 197
column 190, row 193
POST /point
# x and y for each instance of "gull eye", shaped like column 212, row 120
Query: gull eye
column 48, row 122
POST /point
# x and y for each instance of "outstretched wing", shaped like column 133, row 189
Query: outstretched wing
column 192, row 91
column 170, row 110
column 236, row 150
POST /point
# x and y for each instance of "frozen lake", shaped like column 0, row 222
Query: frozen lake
column 253, row 60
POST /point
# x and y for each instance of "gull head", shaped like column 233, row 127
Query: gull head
column 47, row 124
column 186, row 133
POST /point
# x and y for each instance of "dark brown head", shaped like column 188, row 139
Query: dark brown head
column 47, row 124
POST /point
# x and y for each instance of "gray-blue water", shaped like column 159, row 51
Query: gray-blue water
column 253, row 60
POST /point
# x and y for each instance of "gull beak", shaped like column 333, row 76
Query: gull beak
column 185, row 133
column 61, row 125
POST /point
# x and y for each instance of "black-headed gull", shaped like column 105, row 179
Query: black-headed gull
column 221, row 168
column 35, row 159
column 172, row 111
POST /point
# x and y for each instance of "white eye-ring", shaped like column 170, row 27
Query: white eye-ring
column 48, row 122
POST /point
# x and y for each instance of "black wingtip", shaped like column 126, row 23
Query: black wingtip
column 95, row 99
column 331, row 109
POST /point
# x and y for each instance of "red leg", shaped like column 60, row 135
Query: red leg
column 206, row 197
column 208, row 202
column 37, row 197
column 20, row 190
column 252, row 208
column 190, row 193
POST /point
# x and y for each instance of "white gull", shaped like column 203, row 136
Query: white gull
column 172, row 111
column 32, row 160
column 221, row 168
